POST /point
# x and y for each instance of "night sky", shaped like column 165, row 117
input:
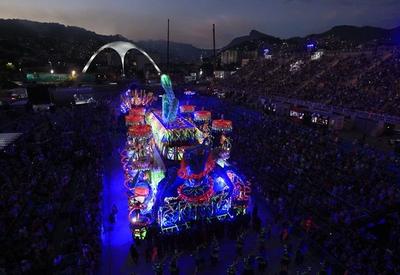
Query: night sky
column 191, row 21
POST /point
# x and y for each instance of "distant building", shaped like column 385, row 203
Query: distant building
column 317, row 55
column 223, row 74
column 238, row 57
column 245, row 61
column 46, row 77
column 229, row 57
column 250, row 55
column 190, row 78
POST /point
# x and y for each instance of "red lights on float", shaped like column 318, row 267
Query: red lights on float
column 221, row 125
column 141, row 191
column 137, row 111
column 187, row 109
column 200, row 198
column 133, row 120
column 184, row 173
column 140, row 131
column 202, row 116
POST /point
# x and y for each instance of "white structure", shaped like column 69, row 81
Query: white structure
column 229, row 57
column 121, row 47
column 317, row 55
column 223, row 74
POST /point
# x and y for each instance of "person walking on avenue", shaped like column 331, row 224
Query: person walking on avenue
column 261, row 241
column 173, row 267
column 215, row 252
column 157, row 268
column 239, row 244
column 247, row 268
column 232, row 270
column 134, row 254
column 262, row 264
column 299, row 258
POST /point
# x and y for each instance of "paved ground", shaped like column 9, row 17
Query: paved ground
column 116, row 238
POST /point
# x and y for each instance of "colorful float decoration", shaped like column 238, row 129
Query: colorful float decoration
column 202, row 116
column 221, row 125
column 200, row 183
column 222, row 128
column 187, row 109
column 135, row 98
column 173, row 138
column 140, row 146
column 140, row 131
column 137, row 111
column 202, row 188
column 132, row 120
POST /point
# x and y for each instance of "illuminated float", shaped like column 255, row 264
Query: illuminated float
column 139, row 144
column 143, row 167
column 203, row 188
column 202, row 116
column 174, row 137
column 132, row 120
column 221, row 131
column 198, row 184
column 135, row 100
column 137, row 111
column 187, row 109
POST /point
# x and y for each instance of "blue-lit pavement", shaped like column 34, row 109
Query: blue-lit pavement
column 116, row 238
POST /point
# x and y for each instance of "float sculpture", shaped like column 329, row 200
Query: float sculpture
column 170, row 103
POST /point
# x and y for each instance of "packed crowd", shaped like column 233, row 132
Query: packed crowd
column 334, row 80
column 51, row 182
column 246, row 245
column 343, row 195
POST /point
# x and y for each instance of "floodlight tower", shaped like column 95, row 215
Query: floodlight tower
column 214, row 55
column 168, row 47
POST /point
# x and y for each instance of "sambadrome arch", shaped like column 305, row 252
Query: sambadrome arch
column 122, row 48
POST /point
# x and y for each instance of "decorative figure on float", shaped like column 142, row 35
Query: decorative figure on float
column 170, row 103
column 208, row 138
column 225, row 143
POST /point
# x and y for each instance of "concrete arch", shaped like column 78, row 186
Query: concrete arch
column 121, row 47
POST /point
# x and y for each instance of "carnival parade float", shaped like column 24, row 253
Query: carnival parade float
column 176, row 164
